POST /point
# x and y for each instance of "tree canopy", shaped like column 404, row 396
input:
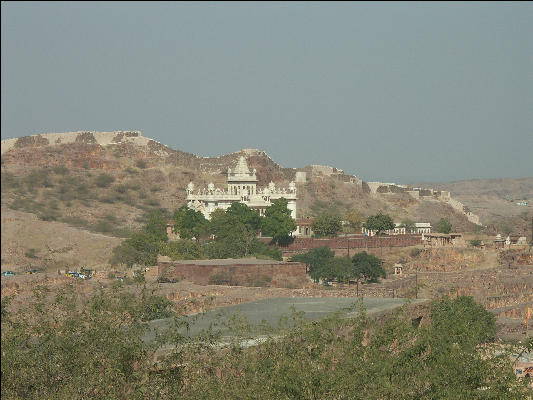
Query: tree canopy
column 142, row 248
column 189, row 223
column 244, row 214
column 379, row 223
column 233, row 238
column 443, row 226
column 327, row 224
column 355, row 219
column 157, row 225
column 277, row 222
column 73, row 347
column 317, row 261
column 367, row 267
column 340, row 269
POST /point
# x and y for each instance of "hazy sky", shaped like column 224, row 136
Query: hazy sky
column 395, row 92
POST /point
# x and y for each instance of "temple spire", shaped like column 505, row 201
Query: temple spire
column 242, row 167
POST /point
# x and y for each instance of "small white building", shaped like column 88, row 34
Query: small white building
column 242, row 187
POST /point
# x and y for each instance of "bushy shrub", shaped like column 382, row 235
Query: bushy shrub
column 475, row 242
column 103, row 226
column 153, row 202
column 75, row 221
column 183, row 249
column 221, row 278
column 38, row 178
column 9, row 181
column 415, row 252
column 104, row 180
column 31, row 253
column 49, row 215
column 61, row 170
column 140, row 164
column 121, row 188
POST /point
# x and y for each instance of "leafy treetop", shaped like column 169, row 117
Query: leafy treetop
column 327, row 224
column 277, row 222
column 189, row 223
column 443, row 226
column 379, row 223
column 367, row 267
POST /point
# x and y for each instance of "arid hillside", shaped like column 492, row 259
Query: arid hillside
column 495, row 201
column 107, row 182
column 29, row 242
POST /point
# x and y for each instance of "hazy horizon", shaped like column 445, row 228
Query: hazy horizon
column 393, row 92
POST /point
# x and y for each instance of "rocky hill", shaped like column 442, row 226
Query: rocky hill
column 106, row 182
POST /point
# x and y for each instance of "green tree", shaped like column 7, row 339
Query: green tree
column 233, row 238
column 327, row 224
column 277, row 222
column 379, row 223
column 367, row 267
column 189, row 223
column 317, row 261
column 141, row 248
column 56, row 347
column 443, row 226
column 462, row 320
column 103, row 180
column 340, row 269
column 262, row 250
column 245, row 215
column 475, row 242
column 157, row 225
column 183, row 249
column 355, row 220
column 409, row 225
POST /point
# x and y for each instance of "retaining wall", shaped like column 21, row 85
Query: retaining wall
column 274, row 274
column 340, row 245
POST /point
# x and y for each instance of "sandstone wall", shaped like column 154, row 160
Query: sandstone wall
column 341, row 244
column 235, row 274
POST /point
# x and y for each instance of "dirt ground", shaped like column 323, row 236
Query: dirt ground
column 56, row 244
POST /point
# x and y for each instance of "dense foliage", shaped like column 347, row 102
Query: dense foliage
column 316, row 260
column 233, row 231
column 327, row 224
column 142, row 248
column 355, row 220
column 379, row 223
column 324, row 266
column 443, row 226
column 278, row 223
column 367, row 267
column 189, row 223
column 66, row 347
